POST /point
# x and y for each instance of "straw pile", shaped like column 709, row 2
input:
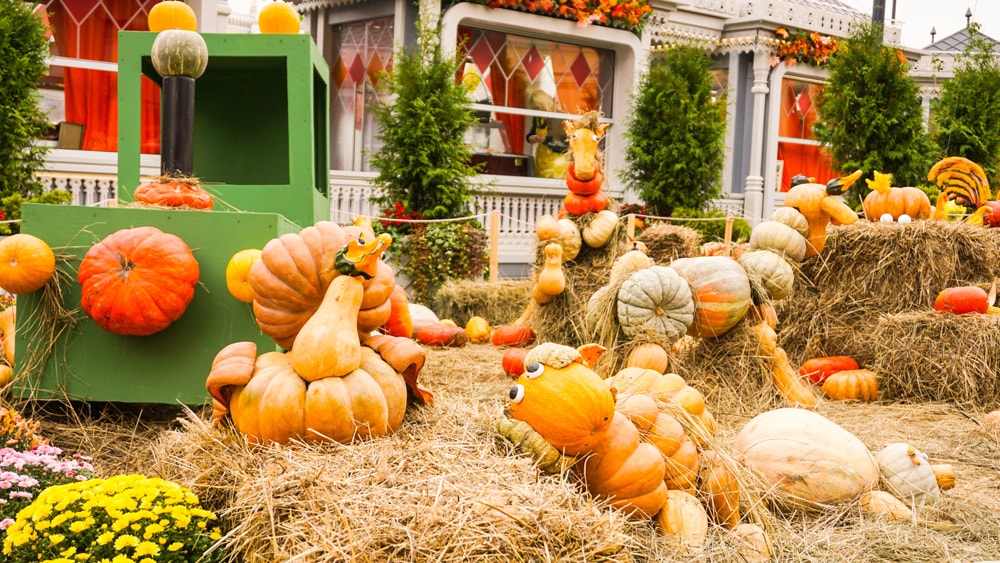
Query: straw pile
column 446, row 488
column 870, row 295
column 500, row 303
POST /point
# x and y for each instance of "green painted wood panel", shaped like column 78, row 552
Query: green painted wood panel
column 262, row 129
column 91, row 364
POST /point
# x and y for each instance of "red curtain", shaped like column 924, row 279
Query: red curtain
column 809, row 160
column 91, row 96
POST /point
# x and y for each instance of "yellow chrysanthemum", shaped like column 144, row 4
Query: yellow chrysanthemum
column 105, row 538
column 126, row 541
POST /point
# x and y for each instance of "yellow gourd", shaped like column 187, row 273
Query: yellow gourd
column 328, row 344
column 546, row 227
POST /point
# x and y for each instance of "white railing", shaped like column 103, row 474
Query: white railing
column 518, row 202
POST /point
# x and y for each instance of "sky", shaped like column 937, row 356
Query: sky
column 917, row 17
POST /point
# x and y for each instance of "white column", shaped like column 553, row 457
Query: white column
column 753, row 206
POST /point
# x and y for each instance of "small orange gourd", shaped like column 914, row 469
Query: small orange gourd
column 400, row 323
column 648, row 355
column 721, row 490
column 547, row 227
column 552, row 279
column 852, row 385
column 684, row 523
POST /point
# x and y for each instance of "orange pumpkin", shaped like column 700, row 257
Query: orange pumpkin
column 962, row 299
column 400, row 323
column 570, row 406
column 171, row 14
column 576, row 204
column 269, row 402
column 511, row 335
column 137, row 281
column 27, row 263
column 648, row 355
column 174, row 193
column 238, row 274
column 721, row 291
column 279, row 17
column 583, row 187
column 512, row 361
column 852, row 385
column 885, row 199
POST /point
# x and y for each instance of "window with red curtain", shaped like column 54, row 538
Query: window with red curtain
column 514, row 69
column 798, row 149
column 87, row 30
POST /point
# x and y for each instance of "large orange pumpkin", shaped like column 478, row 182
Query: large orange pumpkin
column 26, row 263
column 137, row 281
column 721, row 291
column 278, row 17
column 269, row 402
column 292, row 276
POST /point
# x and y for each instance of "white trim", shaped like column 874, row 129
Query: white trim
column 88, row 64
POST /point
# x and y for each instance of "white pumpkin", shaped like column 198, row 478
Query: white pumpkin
column 808, row 459
column 422, row 316
column 658, row 300
column 601, row 227
column 910, row 476
column 569, row 238
column 775, row 273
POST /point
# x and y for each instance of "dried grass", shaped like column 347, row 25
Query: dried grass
column 446, row 488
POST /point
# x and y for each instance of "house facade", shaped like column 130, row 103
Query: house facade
column 522, row 70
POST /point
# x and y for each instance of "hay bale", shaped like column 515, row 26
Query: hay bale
column 929, row 356
column 499, row 303
column 666, row 242
column 868, row 269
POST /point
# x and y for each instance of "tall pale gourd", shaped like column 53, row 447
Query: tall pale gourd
column 328, row 344
column 601, row 227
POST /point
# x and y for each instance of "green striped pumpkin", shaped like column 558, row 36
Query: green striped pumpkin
column 177, row 52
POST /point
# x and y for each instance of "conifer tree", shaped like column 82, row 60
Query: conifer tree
column 870, row 116
column 423, row 162
column 966, row 119
column 674, row 151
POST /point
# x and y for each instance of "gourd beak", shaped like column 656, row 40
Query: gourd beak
column 360, row 257
column 838, row 186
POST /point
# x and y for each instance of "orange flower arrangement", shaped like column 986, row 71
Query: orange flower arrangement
column 806, row 47
column 631, row 15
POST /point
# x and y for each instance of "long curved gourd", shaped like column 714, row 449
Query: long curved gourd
column 820, row 208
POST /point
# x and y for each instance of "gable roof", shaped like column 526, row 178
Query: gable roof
column 958, row 41
column 832, row 6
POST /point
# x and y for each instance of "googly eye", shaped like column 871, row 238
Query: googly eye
column 886, row 218
column 533, row 370
column 516, row 394
column 595, row 138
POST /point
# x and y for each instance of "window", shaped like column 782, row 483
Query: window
column 521, row 85
column 798, row 148
column 361, row 51
column 82, row 85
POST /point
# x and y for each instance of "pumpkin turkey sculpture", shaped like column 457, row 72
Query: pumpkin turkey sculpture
column 320, row 294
